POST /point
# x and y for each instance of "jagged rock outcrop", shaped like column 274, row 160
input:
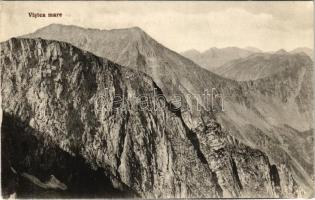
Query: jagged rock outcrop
column 251, row 109
column 85, row 107
column 241, row 171
column 34, row 167
column 277, row 109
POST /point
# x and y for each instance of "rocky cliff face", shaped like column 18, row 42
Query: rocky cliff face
column 63, row 109
column 132, row 47
column 280, row 118
column 277, row 109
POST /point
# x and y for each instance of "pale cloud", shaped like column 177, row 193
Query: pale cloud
column 178, row 25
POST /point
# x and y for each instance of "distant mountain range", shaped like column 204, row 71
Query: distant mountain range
column 271, row 111
column 213, row 58
column 261, row 65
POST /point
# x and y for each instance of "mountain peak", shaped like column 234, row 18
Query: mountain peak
column 306, row 50
column 55, row 26
column 136, row 28
column 232, row 48
column 214, row 48
column 191, row 52
column 253, row 49
column 130, row 29
column 281, row 51
column 302, row 49
column 215, row 57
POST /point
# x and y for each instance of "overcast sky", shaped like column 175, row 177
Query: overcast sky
column 178, row 25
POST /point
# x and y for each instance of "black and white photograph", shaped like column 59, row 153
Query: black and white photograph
column 157, row 99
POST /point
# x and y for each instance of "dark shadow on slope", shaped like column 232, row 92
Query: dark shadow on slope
column 235, row 174
column 274, row 175
column 192, row 136
column 22, row 152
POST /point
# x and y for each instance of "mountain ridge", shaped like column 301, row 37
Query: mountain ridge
column 250, row 108
column 66, row 106
column 215, row 57
column 306, row 50
column 261, row 65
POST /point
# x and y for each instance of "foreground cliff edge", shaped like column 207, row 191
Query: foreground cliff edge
column 61, row 124
column 273, row 114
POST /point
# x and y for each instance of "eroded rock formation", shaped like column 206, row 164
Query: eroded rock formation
column 69, row 101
